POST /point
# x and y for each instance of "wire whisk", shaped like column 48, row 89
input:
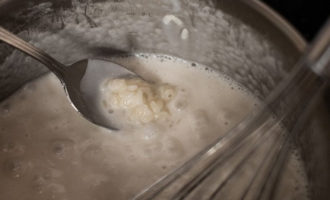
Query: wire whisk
column 251, row 156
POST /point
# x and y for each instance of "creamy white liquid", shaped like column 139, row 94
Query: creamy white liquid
column 48, row 151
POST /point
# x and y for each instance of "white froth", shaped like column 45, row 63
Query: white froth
column 184, row 34
column 167, row 19
column 49, row 151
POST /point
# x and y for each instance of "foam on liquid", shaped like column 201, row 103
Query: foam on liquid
column 48, row 151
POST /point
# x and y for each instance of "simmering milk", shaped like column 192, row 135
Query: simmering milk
column 49, row 151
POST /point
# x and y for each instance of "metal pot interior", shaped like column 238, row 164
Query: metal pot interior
column 244, row 40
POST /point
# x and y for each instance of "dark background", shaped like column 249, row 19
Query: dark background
column 307, row 16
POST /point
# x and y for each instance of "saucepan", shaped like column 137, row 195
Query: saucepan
column 244, row 40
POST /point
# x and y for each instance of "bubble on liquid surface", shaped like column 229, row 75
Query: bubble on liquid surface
column 92, row 153
column 226, row 116
column 15, row 167
column 5, row 108
column 13, row 148
column 95, row 156
column 152, row 148
column 48, row 189
column 151, row 133
column 199, row 121
column 173, row 147
column 184, row 34
column 62, row 148
column 180, row 104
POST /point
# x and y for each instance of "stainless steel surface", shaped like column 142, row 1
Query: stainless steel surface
column 319, row 53
column 267, row 60
column 70, row 76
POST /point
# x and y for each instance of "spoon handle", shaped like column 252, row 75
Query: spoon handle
column 52, row 64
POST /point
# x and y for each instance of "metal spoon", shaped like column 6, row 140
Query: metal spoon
column 74, row 76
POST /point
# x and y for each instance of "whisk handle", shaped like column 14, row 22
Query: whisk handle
column 318, row 54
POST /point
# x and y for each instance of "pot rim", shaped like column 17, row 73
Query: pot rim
column 279, row 21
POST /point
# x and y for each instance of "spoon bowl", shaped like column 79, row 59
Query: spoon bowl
column 81, row 80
